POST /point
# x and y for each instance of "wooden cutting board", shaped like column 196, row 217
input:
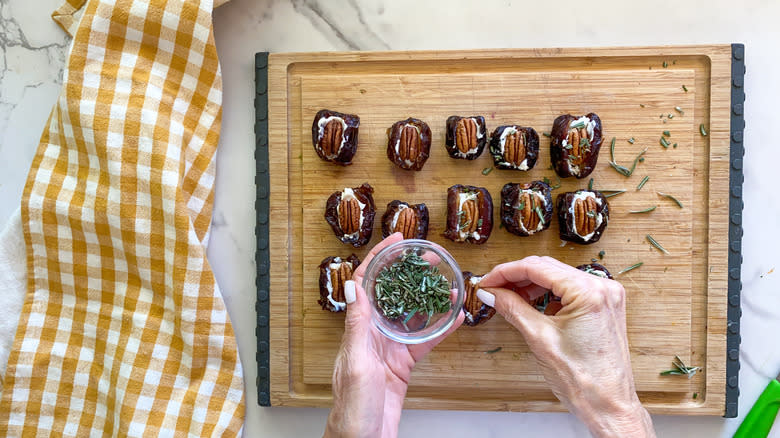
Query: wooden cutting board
column 676, row 302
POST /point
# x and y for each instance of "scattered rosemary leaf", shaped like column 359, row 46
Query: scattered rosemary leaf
column 593, row 260
column 667, row 133
column 631, row 268
column 674, row 145
column 546, row 134
column 479, row 222
column 664, row 143
column 679, row 204
column 620, row 169
column 636, row 160
column 612, row 149
column 695, row 394
column 487, row 170
column 641, row 105
column 549, row 183
column 646, row 210
column 601, row 254
column 680, row 369
column 641, row 159
column 501, row 225
column 702, row 130
column 643, row 182
column 495, row 350
column 613, row 193
column 671, row 116
column 590, row 184
column 656, row 244
column 577, row 125
column 631, row 140
column 679, row 110
column 665, row 64
column 685, row 88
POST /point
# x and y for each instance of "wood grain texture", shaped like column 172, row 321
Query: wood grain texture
column 676, row 303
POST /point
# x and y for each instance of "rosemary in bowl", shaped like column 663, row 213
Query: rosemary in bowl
column 412, row 287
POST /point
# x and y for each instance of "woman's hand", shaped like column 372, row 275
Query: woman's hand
column 372, row 372
column 583, row 349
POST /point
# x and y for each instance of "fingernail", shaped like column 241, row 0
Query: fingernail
column 349, row 291
column 483, row 295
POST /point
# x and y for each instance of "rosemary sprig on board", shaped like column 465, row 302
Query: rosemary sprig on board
column 631, row 268
column 680, row 369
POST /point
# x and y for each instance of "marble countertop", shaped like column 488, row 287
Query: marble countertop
column 33, row 51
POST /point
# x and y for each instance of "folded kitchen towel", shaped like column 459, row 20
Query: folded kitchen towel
column 123, row 331
column 13, row 273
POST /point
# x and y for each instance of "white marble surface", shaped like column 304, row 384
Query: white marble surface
column 33, row 50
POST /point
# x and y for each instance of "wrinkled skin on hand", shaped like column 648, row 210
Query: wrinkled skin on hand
column 372, row 372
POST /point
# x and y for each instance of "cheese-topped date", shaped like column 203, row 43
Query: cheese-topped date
column 514, row 147
column 409, row 219
column 474, row 309
column 469, row 214
column 526, row 209
column 574, row 144
column 350, row 213
column 466, row 137
column 409, row 143
column 595, row 269
column 582, row 216
column 335, row 136
column 334, row 271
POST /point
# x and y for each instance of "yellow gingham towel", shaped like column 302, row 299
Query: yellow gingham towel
column 123, row 330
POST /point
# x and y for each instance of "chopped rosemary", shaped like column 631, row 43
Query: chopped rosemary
column 584, row 142
column 520, row 206
column 656, row 244
column 702, row 130
column 539, row 213
column 613, row 193
column 671, row 116
column 591, row 213
column 679, row 110
column 601, row 254
column 642, row 183
column 679, row 204
column 667, row 133
column 549, row 183
column 631, row 268
column 680, row 369
column 487, row 170
column 412, row 286
column 612, row 149
column 495, row 350
column 646, row 210
column 590, row 184
column 546, row 134
column 664, row 143
column 674, row 145
column 641, row 159
column 479, row 222
column 631, row 140
column 685, row 88
column 577, row 125
column 665, row 64
column 637, row 159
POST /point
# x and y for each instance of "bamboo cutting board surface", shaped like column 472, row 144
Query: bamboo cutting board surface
column 676, row 302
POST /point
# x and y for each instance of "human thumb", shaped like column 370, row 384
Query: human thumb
column 358, row 307
column 513, row 308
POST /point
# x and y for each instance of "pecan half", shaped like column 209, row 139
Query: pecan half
column 409, row 143
column 466, row 137
column 469, row 214
column 351, row 214
column 411, row 220
column 526, row 209
column 582, row 216
column 595, row 269
column 514, row 147
column 475, row 310
column 334, row 271
column 335, row 136
column 574, row 144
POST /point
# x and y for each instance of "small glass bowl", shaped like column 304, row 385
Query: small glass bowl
column 397, row 330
